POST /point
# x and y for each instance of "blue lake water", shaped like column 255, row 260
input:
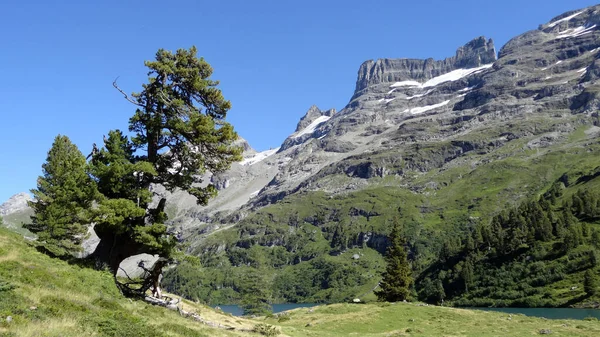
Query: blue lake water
column 550, row 313
column 236, row 310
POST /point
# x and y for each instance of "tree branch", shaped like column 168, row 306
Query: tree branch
column 124, row 94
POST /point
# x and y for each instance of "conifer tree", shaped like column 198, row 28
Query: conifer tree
column 595, row 240
column 590, row 282
column 62, row 200
column 441, row 294
column 256, row 292
column 397, row 277
column 180, row 133
column 467, row 274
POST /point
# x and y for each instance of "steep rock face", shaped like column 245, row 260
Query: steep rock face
column 308, row 127
column 473, row 54
column 311, row 115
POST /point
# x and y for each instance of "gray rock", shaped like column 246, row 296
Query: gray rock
column 313, row 113
column 131, row 266
column 473, row 54
column 16, row 203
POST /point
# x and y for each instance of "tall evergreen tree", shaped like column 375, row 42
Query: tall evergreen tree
column 180, row 133
column 397, row 277
column 595, row 240
column 62, row 199
column 590, row 282
column 467, row 274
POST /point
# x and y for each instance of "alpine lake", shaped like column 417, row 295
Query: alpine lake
column 549, row 313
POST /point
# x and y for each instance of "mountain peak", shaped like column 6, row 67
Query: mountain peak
column 475, row 53
column 311, row 115
column 15, row 203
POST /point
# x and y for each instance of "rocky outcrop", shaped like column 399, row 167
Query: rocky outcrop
column 311, row 115
column 16, row 203
column 309, row 127
column 473, row 54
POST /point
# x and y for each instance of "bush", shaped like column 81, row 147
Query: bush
column 284, row 317
column 265, row 330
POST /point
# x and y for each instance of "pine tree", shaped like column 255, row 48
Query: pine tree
column 441, row 294
column 595, row 240
column 467, row 274
column 256, row 292
column 590, row 282
column 397, row 278
column 62, row 200
column 180, row 133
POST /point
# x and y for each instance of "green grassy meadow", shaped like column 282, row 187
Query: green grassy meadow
column 50, row 297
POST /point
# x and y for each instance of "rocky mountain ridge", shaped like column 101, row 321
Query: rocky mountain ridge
column 472, row 102
column 541, row 87
column 472, row 55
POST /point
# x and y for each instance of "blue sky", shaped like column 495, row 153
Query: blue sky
column 274, row 59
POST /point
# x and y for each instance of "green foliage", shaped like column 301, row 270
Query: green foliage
column 181, row 110
column 326, row 279
column 283, row 317
column 397, row 278
column 590, row 282
column 447, row 208
column 179, row 134
column 5, row 286
column 265, row 330
column 62, row 199
column 524, row 253
column 256, row 292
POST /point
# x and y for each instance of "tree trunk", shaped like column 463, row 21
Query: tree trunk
column 112, row 250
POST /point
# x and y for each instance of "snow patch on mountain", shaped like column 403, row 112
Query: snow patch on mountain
column 312, row 126
column 552, row 24
column 406, row 84
column 420, row 95
column 258, row 157
column 452, row 76
column 419, row 110
column 576, row 32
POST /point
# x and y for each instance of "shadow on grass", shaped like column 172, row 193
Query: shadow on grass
column 575, row 300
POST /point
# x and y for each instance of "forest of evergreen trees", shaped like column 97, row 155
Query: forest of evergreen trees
column 529, row 256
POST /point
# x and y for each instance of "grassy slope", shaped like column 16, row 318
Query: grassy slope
column 75, row 301
column 407, row 319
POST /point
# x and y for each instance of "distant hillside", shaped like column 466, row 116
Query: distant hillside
column 48, row 297
column 445, row 145
column 15, row 212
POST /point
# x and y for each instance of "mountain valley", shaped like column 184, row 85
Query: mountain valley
column 445, row 146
